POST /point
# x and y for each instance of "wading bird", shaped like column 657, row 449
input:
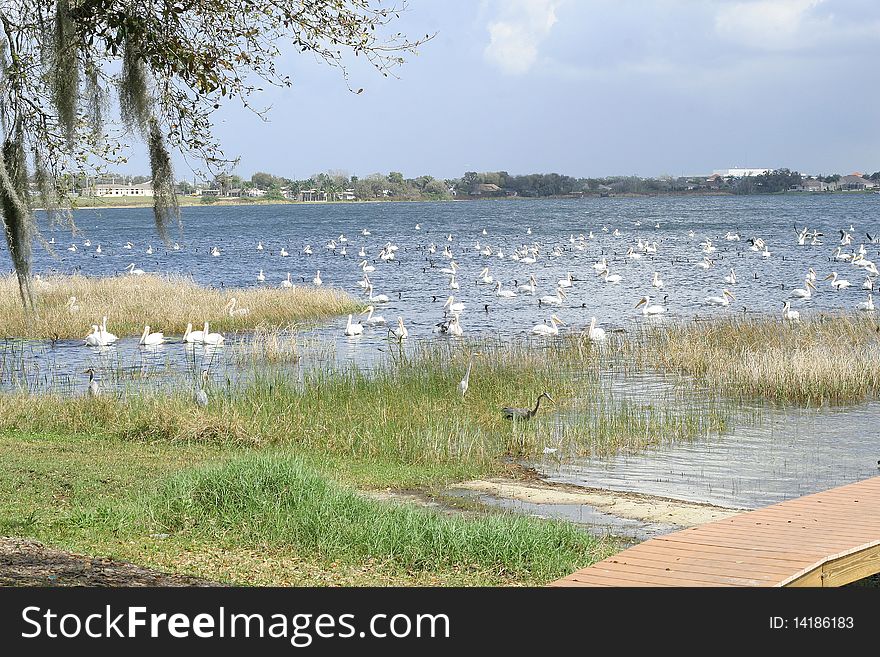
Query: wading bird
column 789, row 314
column 200, row 397
column 510, row 413
column 93, row 385
column 465, row 382
column 353, row 329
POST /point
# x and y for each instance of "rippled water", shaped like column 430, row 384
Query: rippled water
column 790, row 453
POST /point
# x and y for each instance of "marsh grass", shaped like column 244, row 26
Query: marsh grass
column 832, row 359
column 277, row 500
column 268, row 346
column 166, row 303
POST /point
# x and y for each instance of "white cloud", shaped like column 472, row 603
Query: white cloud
column 515, row 37
column 768, row 24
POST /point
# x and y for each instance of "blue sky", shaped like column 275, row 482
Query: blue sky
column 587, row 88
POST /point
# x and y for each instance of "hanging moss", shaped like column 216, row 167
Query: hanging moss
column 134, row 93
column 65, row 71
column 17, row 217
column 165, row 207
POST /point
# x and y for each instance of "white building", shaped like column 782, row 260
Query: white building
column 741, row 172
column 123, row 189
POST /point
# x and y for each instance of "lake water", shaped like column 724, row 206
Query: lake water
column 789, row 454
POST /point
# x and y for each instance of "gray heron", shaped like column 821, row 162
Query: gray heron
column 524, row 413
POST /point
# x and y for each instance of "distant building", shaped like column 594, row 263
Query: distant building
column 741, row 172
column 813, row 185
column 311, row 195
column 854, row 182
column 123, row 189
column 254, row 192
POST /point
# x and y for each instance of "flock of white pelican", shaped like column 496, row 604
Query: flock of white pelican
column 443, row 270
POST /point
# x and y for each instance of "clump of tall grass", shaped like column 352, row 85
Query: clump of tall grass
column 274, row 499
column 268, row 345
column 166, row 303
column 830, row 359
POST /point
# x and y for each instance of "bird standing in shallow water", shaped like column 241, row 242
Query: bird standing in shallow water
column 524, row 413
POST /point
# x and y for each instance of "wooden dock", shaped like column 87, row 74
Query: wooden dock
column 825, row 539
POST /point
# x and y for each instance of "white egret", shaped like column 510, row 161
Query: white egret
column 464, row 384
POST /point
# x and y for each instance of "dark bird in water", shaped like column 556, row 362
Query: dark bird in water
column 524, row 413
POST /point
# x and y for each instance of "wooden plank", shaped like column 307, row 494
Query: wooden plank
column 828, row 538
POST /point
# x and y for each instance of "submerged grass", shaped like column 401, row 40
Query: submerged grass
column 832, row 359
column 166, row 303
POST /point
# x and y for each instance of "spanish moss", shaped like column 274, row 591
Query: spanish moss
column 65, row 71
column 134, row 94
column 165, row 205
column 17, row 222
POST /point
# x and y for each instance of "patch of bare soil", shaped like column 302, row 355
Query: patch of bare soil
column 24, row 562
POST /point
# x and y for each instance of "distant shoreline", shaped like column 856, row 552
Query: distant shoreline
column 189, row 202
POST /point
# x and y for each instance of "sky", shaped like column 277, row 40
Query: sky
column 587, row 88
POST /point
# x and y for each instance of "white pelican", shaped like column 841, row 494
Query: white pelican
column 261, row 276
column 867, row 305
column 504, row 294
column 451, row 269
column 553, row 329
column 484, row 276
column 837, row 283
column 283, row 252
column 564, row 282
column 399, row 331
column 454, row 327
column 732, row 237
column 707, row 247
column 192, row 336
column 379, row 298
column 418, row 226
column 611, row 278
column 342, row 251
column 723, row 300
column 367, row 267
column 657, row 282
column 214, row 252
column 632, row 255
column 176, row 246
column 287, row 283
column 804, row 292
column 133, row 271
column 594, row 332
column 650, row 309
column 705, row 263
column 364, row 282
column 789, row 314
column 151, row 339
column 601, row 265
column 454, row 306
column 317, row 279
column 378, row 319
column 233, row 311
column 765, row 253
column 531, row 287
column 108, row 337
column 365, row 232
column 553, row 300
column 730, row 278
column 838, row 255
column 811, row 274
column 362, row 253
column 72, row 306
column 128, row 245
column 94, row 338
column 868, row 284
column 353, row 329
column 259, row 246
column 453, row 284
column 72, row 248
column 98, row 249
column 211, row 338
